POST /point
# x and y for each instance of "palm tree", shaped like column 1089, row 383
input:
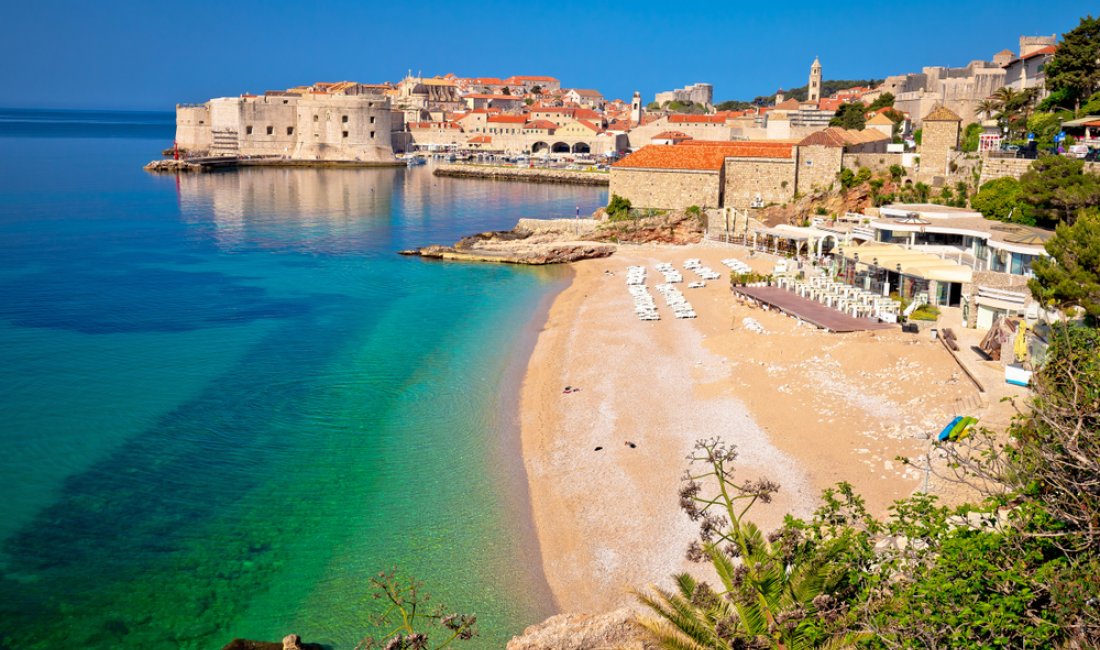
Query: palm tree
column 987, row 107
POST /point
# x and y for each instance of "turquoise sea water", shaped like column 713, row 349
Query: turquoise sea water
column 226, row 403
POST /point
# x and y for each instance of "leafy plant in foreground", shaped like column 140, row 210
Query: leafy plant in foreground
column 776, row 591
column 410, row 620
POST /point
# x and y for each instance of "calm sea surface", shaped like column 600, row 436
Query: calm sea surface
column 226, row 403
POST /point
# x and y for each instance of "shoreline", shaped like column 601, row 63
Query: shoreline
column 804, row 407
column 507, row 452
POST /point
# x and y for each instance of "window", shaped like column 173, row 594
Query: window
column 372, row 119
column 345, row 134
column 316, row 118
column 284, row 101
column 270, row 130
column 248, row 130
column 344, row 119
column 372, row 135
column 202, row 121
column 290, row 130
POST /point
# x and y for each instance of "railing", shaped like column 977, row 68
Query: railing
column 1003, row 296
column 864, row 232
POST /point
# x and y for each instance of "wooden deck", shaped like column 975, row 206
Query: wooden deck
column 810, row 311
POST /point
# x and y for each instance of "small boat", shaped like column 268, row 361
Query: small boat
column 415, row 161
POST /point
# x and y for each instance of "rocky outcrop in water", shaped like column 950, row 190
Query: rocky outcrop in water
column 617, row 630
column 530, row 242
column 172, row 165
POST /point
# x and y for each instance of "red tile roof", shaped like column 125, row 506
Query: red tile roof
column 585, row 114
column 492, row 96
column 671, row 135
column 1049, row 49
column 522, row 78
column 587, row 92
column 480, row 139
column 701, row 155
column 696, row 119
column 838, row 137
column 507, row 119
column 540, row 124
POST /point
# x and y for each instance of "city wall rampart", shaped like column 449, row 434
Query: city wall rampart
column 529, row 174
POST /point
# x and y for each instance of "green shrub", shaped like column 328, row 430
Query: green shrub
column 618, row 208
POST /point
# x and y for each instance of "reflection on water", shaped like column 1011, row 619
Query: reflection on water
column 336, row 211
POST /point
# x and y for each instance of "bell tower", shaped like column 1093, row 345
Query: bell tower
column 813, row 90
column 636, row 108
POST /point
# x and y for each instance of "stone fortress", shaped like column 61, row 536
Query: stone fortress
column 698, row 93
column 960, row 89
column 329, row 123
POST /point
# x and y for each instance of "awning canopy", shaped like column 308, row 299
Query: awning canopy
column 794, row 233
column 913, row 263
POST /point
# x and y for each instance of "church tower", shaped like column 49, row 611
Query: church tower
column 780, row 95
column 636, row 108
column 813, row 91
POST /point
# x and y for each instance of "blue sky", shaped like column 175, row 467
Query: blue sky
column 150, row 54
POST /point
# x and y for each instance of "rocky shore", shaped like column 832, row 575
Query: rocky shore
column 526, row 174
column 558, row 241
column 171, row 165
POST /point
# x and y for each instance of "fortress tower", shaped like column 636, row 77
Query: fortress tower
column 636, row 108
column 813, row 90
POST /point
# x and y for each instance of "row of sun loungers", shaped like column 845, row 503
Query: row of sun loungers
column 635, row 275
column 704, row 272
column 843, row 297
column 681, row 308
column 670, row 272
column 644, row 306
column 736, row 265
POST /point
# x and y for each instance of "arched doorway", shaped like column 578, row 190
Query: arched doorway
column 559, row 147
column 582, row 147
column 539, row 146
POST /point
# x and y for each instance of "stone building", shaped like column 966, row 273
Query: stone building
column 939, row 141
column 739, row 174
column 316, row 126
column 1029, row 69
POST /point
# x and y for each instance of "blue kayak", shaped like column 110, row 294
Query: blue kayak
column 947, row 430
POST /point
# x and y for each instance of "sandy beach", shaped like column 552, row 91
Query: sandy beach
column 805, row 408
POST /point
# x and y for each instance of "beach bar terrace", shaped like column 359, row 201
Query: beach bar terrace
column 890, row 268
